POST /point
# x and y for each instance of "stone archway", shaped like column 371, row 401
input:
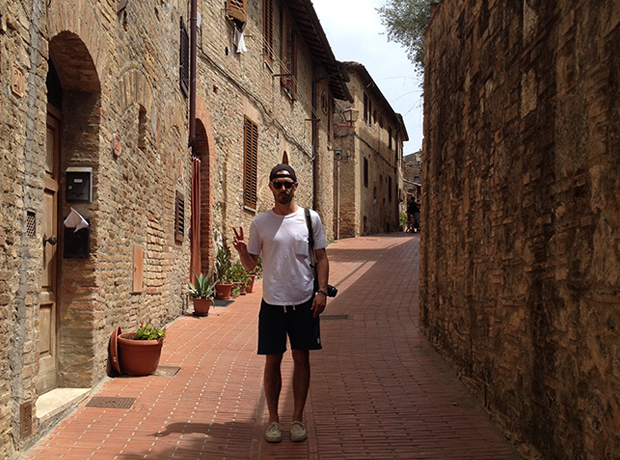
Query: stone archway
column 79, row 115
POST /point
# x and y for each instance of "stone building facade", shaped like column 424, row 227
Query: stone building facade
column 369, row 154
column 412, row 173
column 520, row 271
column 95, row 118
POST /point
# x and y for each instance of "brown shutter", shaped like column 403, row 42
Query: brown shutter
column 268, row 30
column 184, row 60
column 179, row 217
column 250, row 164
column 236, row 9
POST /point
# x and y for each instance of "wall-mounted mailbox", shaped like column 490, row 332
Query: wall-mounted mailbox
column 79, row 184
column 77, row 244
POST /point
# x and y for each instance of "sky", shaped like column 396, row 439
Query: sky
column 355, row 33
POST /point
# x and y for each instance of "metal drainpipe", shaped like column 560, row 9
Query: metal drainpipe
column 192, row 75
column 315, row 163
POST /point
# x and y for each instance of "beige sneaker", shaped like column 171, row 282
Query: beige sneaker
column 273, row 433
column 298, row 432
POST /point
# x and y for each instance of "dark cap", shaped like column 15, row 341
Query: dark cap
column 278, row 172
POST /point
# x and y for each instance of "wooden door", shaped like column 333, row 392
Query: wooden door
column 48, row 311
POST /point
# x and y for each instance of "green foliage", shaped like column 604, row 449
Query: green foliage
column 238, row 274
column 258, row 270
column 222, row 265
column 406, row 21
column 148, row 332
column 403, row 221
column 203, row 286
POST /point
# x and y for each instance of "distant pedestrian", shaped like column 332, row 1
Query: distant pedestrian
column 290, row 305
column 413, row 216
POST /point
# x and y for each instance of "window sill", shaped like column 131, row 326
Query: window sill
column 247, row 208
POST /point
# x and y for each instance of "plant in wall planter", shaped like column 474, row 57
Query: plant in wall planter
column 224, row 285
column 139, row 352
column 202, row 291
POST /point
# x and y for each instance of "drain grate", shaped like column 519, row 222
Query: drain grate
column 334, row 317
column 166, row 371
column 106, row 402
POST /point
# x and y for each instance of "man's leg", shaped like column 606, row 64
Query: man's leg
column 301, row 381
column 273, row 385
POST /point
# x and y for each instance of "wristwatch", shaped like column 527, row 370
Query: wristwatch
column 323, row 291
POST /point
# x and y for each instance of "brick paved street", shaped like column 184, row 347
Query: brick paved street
column 378, row 389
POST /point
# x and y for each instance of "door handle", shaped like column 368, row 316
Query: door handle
column 51, row 240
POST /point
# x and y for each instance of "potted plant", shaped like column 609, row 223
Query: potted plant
column 256, row 273
column 239, row 276
column 202, row 291
column 139, row 351
column 223, row 285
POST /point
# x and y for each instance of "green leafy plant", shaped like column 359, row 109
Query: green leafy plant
column 238, row 274
column 222, row 265
column 258, row 270
column 203, row 286
column 403, row 221
column 148, row 332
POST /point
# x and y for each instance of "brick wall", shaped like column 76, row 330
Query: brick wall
column 520, row 258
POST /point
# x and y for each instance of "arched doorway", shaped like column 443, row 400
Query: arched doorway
column 202, row 217
column 66, row 346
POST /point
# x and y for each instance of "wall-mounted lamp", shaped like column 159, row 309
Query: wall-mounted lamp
column 350, row 115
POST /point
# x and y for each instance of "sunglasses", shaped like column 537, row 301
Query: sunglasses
column 279, row 183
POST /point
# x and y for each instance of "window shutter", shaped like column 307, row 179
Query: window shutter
column 250, row 166
column 179, row 217
column 236, row 9
column 268, row 30
column 184, row 59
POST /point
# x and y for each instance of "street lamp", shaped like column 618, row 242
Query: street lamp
column 350, row 115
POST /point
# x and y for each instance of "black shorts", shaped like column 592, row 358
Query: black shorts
column 275, row 322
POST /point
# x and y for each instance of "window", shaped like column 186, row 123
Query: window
column 288, row 52
column 390, row 189
column 184, row 59
column 390, row 139
column 365, row 172
column 268, row 30
column 250, row 163
column 236, row 9
column 367, row 108
column 142, row 133
column 179, row 217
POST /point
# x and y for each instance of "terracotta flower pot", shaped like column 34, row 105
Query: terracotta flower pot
column 201, row 306
column 138, row 357
column 223, row 290
column 250, row 284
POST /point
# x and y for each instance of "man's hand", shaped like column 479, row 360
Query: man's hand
column 248, row 260
column 238, row 242
column 318, row 304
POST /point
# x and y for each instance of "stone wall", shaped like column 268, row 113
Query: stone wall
column 520, row 269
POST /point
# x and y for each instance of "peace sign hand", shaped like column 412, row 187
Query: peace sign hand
column 238, row 241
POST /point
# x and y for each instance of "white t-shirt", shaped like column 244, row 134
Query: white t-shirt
column 283, row 242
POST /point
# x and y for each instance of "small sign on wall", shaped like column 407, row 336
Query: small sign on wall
column 116, row 145
column 18, row 80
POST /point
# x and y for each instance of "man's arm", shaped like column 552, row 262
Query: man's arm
column 322, row 270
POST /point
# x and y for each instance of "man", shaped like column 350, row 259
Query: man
column 289, row 305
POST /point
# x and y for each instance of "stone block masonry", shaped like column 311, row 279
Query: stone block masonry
column 520, row 273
